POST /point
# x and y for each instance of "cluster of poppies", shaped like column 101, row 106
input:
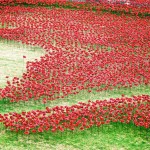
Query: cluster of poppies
column 127, row 6
column 33, row 2
column 82, row 115
column 83, row 51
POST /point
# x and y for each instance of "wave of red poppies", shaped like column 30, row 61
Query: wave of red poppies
column 84, row 50
column 129, row 6
column 82, row 115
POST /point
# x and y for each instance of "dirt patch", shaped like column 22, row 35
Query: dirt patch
column 12, row 63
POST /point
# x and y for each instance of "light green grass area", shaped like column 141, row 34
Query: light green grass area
column 107, row 137
column 12, row 63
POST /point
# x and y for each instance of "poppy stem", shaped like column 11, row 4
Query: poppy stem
column 140, row 131
column 72, row 133
column 98, row 130
column 61, row 135
column 91, row 129
column 147, row 133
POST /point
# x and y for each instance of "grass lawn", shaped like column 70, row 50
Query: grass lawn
column 111, row 137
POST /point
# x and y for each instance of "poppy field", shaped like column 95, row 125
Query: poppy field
column 82, row 69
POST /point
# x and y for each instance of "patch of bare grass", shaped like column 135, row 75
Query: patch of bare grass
column 12, row 63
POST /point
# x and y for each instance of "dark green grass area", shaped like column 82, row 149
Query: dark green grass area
column 115, row 136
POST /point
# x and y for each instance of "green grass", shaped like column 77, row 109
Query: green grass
column 108, row 137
